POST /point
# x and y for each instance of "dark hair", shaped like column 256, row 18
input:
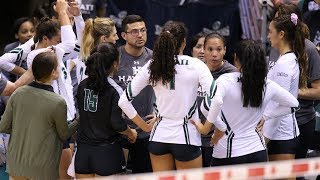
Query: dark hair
column 293, row 35
column 166, row 48
column 43, row 65
column 196, row 38
column 214, row 35
column 129, row 20
column 46, row 27
column 99, row 65
column 287, row 9
column 17, row 24
column 251, row 57
column 41, row 11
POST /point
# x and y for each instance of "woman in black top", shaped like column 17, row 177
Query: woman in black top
column 99, row 151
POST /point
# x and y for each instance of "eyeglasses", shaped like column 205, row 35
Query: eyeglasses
column 135, row 32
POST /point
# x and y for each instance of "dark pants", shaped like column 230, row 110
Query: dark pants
column 206, row 156
column 139, row 158
column 308, row 138
column 260, row 156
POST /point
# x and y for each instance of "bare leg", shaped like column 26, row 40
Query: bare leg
column 162, row 162
column 196, row 163
column 65, row 161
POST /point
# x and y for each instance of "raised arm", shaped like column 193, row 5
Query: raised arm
column 68, row 38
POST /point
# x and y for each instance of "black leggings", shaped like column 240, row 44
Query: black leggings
column 308, row 138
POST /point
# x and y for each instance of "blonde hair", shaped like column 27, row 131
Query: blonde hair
column 93, row 30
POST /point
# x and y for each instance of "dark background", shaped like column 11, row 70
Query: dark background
column 199, row 15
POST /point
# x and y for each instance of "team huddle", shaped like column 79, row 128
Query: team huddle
column 130, row 107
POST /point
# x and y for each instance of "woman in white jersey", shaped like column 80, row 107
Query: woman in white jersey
column 290, row 72
column 175, row 142
column 239, row 102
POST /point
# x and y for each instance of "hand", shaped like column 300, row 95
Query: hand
column 149, row 118
column 74, row 8
column 260, row 124
column 133, row 136
column 152, row 121
column 198, row 125
column 217, row 135
column 61, row 6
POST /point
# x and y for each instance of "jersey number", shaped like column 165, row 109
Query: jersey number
column 65, row 74
column 90, row 101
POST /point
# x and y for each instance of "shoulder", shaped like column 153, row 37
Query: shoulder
column 20, row 90
column 229, row 67
column 228, row 77
column 148, row 51
column 11, row 46
column 34, row 53
column 115, row 86
column 287, row 58
column 311, row 48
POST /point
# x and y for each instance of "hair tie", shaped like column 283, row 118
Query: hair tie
column 294, row 18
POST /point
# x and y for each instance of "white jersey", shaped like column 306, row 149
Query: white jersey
column 19, row 53
column 175, row 103
column 80, row 69
column 241, row 137
column 285, row 72
column 62, row 85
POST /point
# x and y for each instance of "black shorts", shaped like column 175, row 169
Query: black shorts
column 180, row 152
column 260, row 156
column 283, row 146
column 101, row 160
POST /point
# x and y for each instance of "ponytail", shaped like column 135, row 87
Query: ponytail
column 87, row 43
column 165, row 51
column 299, row 49
column 251, row 57
column 163, row 59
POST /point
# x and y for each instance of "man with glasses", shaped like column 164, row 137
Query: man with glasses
column 134, row 55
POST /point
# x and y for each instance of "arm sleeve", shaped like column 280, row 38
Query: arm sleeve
column 140, row 81
column 286, row 102
column 206, row 80
column 79, row 23
column 7, row 60
column 60, row 120
column 209, row 86
column 314, row 63
column 216, row 105
column 7, row 118
column 117, row 122
column 68, row 39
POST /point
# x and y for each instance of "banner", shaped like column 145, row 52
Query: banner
column 198, row 15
